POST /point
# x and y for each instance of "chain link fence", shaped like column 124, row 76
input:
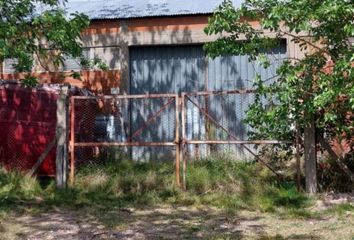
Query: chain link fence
column 112, row 128
column 161, row 127
column 151, row 127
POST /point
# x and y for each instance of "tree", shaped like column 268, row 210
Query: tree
column 28, row 33
column 314, row 92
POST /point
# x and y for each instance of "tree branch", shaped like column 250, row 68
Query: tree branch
column 335, row 157
column 305, row 41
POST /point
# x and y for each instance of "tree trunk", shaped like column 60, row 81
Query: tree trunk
column 310, row 158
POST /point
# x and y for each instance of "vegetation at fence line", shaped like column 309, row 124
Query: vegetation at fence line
column 122, row 194
column 217, row 182
column 316, row 89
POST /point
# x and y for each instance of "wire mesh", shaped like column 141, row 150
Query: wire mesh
column 141, row 128
column 215, row 118
column 27, row 126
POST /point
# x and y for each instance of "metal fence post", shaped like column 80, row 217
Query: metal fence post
column 178, row 144
column 72, row 140
column 184, row 157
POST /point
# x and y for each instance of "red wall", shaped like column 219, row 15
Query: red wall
column 95, row 81
column 27, row 126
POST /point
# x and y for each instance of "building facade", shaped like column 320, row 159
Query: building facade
column 150, row 46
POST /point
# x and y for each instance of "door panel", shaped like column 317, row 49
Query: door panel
column 176, row 69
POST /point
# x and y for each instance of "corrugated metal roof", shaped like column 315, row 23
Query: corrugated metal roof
column 121, row 9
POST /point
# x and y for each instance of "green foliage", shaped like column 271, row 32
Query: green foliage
column 95, row 63
column 307, row 87
column 26, row 33
column 30, row 81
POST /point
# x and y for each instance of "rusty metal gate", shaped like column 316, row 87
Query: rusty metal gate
column 132, row 122
column 165, row 125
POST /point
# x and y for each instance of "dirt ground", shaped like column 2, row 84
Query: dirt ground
column 167, row 222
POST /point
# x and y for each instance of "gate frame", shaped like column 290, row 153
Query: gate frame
column 185, row 97
column 180, row 141
column 175, row 142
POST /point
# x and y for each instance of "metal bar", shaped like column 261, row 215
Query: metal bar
column 177, row 142
column 183, row 113
column 206, row 93
column 184, row 157
column 234, row 138
column 151, row 119
column 206, row 99
column 235, row 142
column 118, row 144
column 138, row 96
column 212, row 119
column 72, row 140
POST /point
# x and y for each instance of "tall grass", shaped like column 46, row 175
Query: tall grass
column 226, row 183
column 17, row 186
column 215, row 181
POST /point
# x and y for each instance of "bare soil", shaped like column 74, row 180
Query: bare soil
column 168, row 222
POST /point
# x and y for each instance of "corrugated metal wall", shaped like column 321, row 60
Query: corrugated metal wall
column 166, row 69
column 176, row 69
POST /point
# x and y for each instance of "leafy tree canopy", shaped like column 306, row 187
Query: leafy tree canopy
column 26, row 33
column 318, row 85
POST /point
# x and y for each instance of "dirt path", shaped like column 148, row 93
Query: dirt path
column 172, row 223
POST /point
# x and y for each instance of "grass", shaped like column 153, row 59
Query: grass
column 237, row 190
column 216, row 182
column 219, row 182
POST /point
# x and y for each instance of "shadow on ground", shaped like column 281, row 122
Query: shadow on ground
column 163, row 222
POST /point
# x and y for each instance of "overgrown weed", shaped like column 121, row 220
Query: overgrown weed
column 216, row 181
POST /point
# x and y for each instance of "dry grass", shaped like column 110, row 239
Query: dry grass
column 167, row 222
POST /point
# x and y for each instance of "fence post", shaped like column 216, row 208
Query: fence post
column 62, row 136
column 72, row 140
column 178, row 144
column 184, row 157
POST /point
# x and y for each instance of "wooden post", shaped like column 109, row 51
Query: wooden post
column 178, row 144
column 310, row 157
column 61, row 135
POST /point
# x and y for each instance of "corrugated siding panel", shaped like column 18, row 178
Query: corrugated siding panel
column 71, row 64
column 108, row 55
column 167, row 69
column 9, row 65
column 177, row 69
column 115, row 9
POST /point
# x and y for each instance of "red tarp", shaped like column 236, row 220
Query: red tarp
column 27, row 126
